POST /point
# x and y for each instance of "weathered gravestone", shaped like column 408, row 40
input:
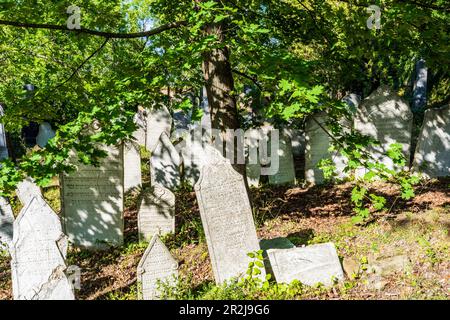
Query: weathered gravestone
column 27, row 190
column 6, row 224
column 298, row 141
column 387, row 118
column 226, row 217
column 140, row 134
column 3, row 145
column 252, row 167
column 310, row 265
column 158, row 121
column 194, row 155
column 432, row 155
column 286, row 169
column 156, row 214
column 132, row 174
column 156, row 266
column 165, row 164
column 92, row 202
column 45, row 133
column 38, row 252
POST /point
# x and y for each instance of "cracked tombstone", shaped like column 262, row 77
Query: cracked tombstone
column 92, row 202
column 27, row 190
column 226, row 216
column 132, row 174
column 38, row 255
column 165, row 164
column 156, row 214
column 156, row 266
column 310, row 265
column 432, row 155
column 386, row 117
column 6, row 225
column 158, row 121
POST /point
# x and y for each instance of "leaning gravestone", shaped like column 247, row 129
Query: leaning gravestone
column 286, row 170
column 132, row 175
column 432, row 155
column 158, row 121
column 6, row 224
column 310, row 265
column 92, row 202
column 3, row 145
column 165, row 164
column 157, row 265
column 387, row 118
column 27, row 190
column 226, row 216
column 156, row 213
column 38, row 252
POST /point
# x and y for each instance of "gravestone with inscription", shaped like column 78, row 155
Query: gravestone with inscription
column 27, row 190
column 310, row 265
column 156, row 265
column 226, row 216
column 132, row 175
column 387, row 118
column 432, row 155
column 286, row 169
column 92, row 202
column 38, row 255
column 165, row 164
column 6, row 224
column 156, row 213
column 158, row 121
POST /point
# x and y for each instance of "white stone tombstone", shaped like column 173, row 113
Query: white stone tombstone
column 140, row 135
column 132, row 174
column 156, row 265
column 92, row 202
column 253, row 166
column 432, row 155
column 165, row 164
column 156, row 212
column 45, row 133
column 310, row 265
column 3, row 145
column 286, row 169
column 226, row 216
column 38, row 254
column 387, row 118
column 6, row 224
column 297, row 140
column 27, row 190
column 158, row 121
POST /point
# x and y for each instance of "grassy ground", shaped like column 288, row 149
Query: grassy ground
column 408, row 247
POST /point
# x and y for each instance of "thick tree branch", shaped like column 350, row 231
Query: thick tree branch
column 109, row 35
column 244, row 75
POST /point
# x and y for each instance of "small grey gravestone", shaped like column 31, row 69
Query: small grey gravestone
column 45, row 133
column 432, row 155
column 92, row 202
column 132, row 174
column 310, row 265
column 3, row 145
column 156, row 213
column 27, row 190
column 226, row 216
column 158, row 121
column 297, row 140
column 165, row 164
column 286, row 170
column 38, row 252
column 6, row 224
column 387, row 118
column 156, row 266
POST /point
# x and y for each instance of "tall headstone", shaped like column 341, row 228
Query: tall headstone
column 157, row 265
column 140, row 134
column 253, row 166
column 27, row 190
column 286, row 170
column 3, row 145
column 165, row 164
column 297, row 140
column 226, row 216
column 6, row 224
column 310, row 265
column 194, row 155
column 432, row 155
column 45, row 133
column 92, row 202
column 387, row 118
column 132, row 174
column 156, row 212
column 158, row 121
column 38, row 254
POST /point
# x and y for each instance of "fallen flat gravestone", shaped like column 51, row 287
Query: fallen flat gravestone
column 310, row 265
column 37, row 256
column 6, row 224
column 165, row 164
column 227, row 218
column 432, row 155
column 156, row 214
column 156, row 266
column 158, row 121
column 132, row 174
column 92, row 202
column 27, row 190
